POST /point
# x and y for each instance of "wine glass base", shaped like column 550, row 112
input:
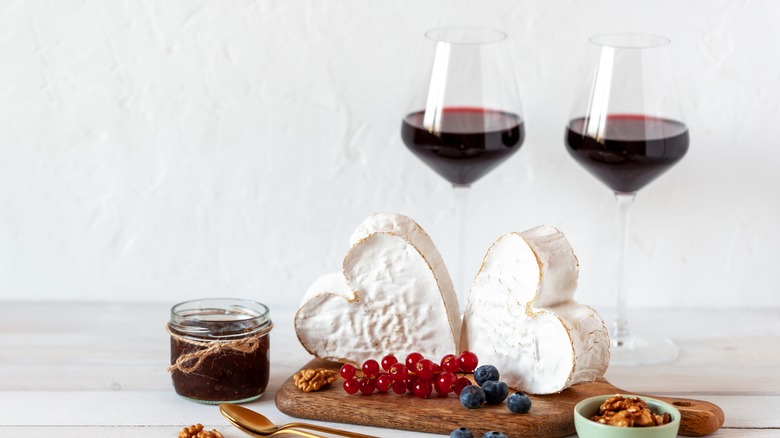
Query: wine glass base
column 639, row 350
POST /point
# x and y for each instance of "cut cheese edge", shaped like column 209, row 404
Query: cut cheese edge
column 393, row 296
column 521, row 317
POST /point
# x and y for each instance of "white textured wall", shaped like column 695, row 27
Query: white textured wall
column 165, row 150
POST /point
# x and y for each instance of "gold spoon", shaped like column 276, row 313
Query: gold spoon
column 249, row 420
column 279, row 432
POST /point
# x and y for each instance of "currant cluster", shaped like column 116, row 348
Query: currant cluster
column 416, row 375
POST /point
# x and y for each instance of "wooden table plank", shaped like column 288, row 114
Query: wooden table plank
column 171, row 432
column 98, row 369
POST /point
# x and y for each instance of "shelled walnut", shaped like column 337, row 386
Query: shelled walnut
column 629, row 412
column 314, row 379
column 196, row 431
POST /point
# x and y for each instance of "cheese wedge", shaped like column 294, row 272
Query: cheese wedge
column 521, row 316
column 394, row 295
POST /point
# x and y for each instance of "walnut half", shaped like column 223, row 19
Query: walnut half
column 314, row 379
column 196, row 431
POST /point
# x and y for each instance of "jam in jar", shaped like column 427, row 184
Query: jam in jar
column 220, row 350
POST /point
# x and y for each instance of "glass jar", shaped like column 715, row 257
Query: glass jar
column 220, row 350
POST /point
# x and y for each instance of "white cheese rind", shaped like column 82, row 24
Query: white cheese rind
column 393, row 296
column 559, row 265
column 521, row 318
column 407, row 229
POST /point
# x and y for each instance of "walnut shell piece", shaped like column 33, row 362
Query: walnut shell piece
column 309, row 380
column 196, row 431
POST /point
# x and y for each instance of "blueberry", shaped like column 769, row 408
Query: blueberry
column 495, row 392
column 493, row 434
column 485, row 373
column 472, row 397
column 519, row 403
column 461, row 432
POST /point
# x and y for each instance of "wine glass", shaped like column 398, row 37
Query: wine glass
column 626, row 130
column 466, row 118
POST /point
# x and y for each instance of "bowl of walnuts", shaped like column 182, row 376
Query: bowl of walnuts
column 625, row 416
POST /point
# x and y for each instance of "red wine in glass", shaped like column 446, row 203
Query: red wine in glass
column 635, row 149
column 468, row 144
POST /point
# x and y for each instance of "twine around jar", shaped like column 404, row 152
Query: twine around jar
column 246, row 345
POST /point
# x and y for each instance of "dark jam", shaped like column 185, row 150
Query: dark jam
column 231, row 374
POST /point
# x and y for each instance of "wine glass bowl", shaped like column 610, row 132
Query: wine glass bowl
column 467, row 118
column 626, row 130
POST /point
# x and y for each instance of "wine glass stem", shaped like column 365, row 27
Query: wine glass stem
column 461, row 205
column 621, row 336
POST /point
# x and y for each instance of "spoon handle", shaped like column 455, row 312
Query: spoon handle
column 294, row 431
column 276, row 432
column 325, row 429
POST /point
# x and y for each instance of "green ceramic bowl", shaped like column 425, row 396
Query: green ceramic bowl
column 587, row 428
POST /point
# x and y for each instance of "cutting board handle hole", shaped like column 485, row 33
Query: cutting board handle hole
column 683, row 404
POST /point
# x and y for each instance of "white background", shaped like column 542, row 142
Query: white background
column 167, row 150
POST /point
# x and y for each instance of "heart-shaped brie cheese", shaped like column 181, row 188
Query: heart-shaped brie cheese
column 393, row 296
column 521, row 318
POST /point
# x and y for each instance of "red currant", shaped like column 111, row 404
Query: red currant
column 410, row 381
column 399, row 387
column 422, row 388
column 468, row 361
column 370, row 368
column 398, row 372
column 424, row 368
column 412, row 359
column 445, row 383
column 450, row 363
column 367, row 385
column 460, row 384
column 388, row 361
column 383, row 382
column 348, row 371
column 351, row 385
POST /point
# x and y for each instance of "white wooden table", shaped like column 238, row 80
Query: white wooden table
column 98, row 370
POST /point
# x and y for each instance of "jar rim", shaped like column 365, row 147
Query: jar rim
column 219, row 318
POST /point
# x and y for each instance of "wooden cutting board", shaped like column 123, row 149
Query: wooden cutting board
column 550, row 416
